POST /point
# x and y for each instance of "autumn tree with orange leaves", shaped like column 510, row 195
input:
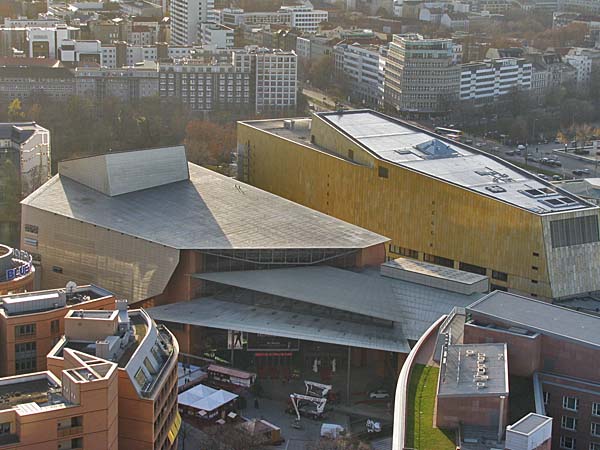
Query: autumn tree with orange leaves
column 208, row 143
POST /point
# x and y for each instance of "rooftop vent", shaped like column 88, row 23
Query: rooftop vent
column 495, row 189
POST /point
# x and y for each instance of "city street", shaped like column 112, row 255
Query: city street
column 569, row 163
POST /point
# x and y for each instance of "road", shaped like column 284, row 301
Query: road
column 537, row 152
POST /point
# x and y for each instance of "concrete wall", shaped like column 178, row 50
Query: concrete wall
column 524, row 352
column 475, row 410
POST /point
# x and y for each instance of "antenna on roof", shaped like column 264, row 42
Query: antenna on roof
column 71, row 286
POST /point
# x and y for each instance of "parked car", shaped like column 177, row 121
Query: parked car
column 581, row 172
column 556, row 178
column 510, row 153
column 379, row 394
column 542, row 176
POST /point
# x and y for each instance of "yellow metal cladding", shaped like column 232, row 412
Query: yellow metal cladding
column 415, row 211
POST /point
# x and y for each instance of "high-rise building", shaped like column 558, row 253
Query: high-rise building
column 276, row 79
column 24, row 166
column 437, row 200
column 186, row 18
column 421, row 76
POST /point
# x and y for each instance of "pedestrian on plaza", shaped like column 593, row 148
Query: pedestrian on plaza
column 255, row 403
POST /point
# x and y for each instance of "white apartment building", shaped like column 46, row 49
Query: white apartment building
column 582, row 63
column 362, row 66
column 490, row 79
column 276, row 78
column 421, row 76
column 235, row 17
column 45, row 42
column 27, row 145
column 305, row 18
column 186, row 17
column 217, row 36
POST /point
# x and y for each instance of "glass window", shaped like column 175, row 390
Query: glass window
column 568, row 423
column 567, row 442
column 570, row 403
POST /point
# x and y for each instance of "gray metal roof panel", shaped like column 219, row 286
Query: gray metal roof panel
column 412, row 305
column 542, row 317
column 213, row 313
column 210, row 211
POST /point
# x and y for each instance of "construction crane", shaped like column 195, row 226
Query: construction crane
column 315, row 413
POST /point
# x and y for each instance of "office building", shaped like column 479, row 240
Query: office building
column 362, row 66
column 31, row 323
column 76, row 408
column 25, row 165
column 22, row 78
column 421, row 76
column 276, row 79
column 144, row 356
column 305, row 18
column 217, row 36
column 437, row 200
column 17, row 273
column 129, row 84
column 186, row 18
column 556, row 349
column 205, row 86
column 111, row 383
column 485, row 81
column 301, row 17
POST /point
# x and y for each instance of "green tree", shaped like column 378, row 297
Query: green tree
column 15, row 111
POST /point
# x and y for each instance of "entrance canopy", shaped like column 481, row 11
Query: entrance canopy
column 214, row 313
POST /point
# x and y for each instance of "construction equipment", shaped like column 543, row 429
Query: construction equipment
column 321, row 390
column 306, row 405
column 317, row 389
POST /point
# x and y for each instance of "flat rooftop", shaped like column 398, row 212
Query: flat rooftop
column 538, row 316
column 433, row 155
column 37, row 388
column 530, row 423
column 474, row 370
column 206, row 211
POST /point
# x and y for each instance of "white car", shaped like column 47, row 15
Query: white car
column 379, row 394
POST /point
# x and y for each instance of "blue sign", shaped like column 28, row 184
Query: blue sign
column 23, row 269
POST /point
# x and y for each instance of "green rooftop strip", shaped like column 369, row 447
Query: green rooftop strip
column 420, row 433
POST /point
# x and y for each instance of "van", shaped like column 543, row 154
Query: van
column 331, row 430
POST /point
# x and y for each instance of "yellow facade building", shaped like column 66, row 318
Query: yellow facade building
column 437, row 200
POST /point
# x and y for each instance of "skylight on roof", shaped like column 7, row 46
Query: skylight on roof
column 435, row 149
